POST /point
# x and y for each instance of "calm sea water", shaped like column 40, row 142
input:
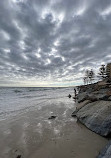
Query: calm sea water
column 14, row 101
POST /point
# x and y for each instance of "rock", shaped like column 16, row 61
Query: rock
column 69, row 96
column 106, row 152
column 102, row 83
column 82, row 104
column 74, row 113
column 19, row 156
column 92, row 98
column 102, row 94
column 52, row 117
column 79, row 106
column 75, row 98
column 109, row 98
column 109, row 92
column 97, row 117
column 102, row 97
column 89, row 88
column 82, row 97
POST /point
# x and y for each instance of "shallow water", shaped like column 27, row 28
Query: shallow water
column 26, row 130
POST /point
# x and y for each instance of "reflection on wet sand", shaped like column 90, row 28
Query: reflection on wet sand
column 33, row 135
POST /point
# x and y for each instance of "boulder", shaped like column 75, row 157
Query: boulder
column 79, row 106
column 82, row 97
column 92, row 97
column 109, row 92
column 74, row 113
column 102, row 94
column 52, row 117
column 82, row 104
column 85, row 96
column 86, row 88
column 96, row 116
column 102, row 83
column 109, row 98
column 69, row 96
column 106, row 152
column 19, row 156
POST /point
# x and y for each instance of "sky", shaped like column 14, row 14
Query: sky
column 52, row 42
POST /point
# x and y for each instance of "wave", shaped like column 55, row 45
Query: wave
column 40, row 89
column 22, row 110
column 33, row 89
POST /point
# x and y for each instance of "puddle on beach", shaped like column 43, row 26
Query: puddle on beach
column 32, row 135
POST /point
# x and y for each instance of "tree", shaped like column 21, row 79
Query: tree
column 102, row 72
column 85, row 80
column 91, row 75
column 86, row 77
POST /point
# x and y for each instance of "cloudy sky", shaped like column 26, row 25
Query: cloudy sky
column 52, row 42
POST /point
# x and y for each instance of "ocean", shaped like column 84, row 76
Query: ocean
column 14, row 101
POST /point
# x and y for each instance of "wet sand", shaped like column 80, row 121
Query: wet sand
column 32, row 135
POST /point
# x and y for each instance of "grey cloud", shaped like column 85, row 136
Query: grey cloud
column 29, row 29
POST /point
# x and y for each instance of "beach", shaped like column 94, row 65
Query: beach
column 26, row 131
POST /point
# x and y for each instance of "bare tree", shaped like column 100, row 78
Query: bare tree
column 89, row 76
column 84, row 78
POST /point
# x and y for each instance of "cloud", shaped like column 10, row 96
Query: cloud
column 52, row 41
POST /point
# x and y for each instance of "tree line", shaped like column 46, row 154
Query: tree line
column 90, row 75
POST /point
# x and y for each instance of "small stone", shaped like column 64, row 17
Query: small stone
column 19, row 156
column 74, row 113
column 69, row 96
column 52, row 117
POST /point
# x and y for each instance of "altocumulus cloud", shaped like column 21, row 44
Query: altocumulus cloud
column 52, row 42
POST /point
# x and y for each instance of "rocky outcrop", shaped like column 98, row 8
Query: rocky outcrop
column 106, row 152
column 82, row 104
column 102, row 94
column 79, row 106
column 82, row 97
column 93, row 109
column 96, row 116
